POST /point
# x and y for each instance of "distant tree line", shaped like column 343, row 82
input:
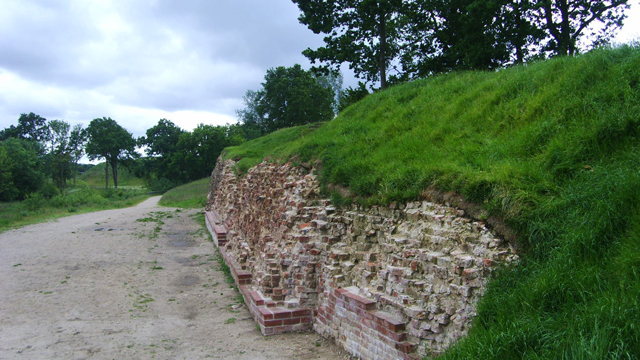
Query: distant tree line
column 175, row 156
column 41, row 156
column 36, row 150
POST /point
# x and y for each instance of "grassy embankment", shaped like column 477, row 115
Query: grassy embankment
column 551, row 148
column 189, row 196
column 86, row 196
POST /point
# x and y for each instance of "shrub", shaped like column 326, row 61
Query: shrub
column 58, row 201
column 34, row 202
column 49, row 190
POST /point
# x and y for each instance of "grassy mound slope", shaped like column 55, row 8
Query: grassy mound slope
column 553, row 149
column 95, row 177
column 190, row 196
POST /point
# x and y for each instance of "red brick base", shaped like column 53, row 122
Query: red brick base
column 273, row 319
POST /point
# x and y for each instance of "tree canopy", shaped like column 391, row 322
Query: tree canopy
column 363, row 33
column 289, row 96
column 176, row 156
column 417, row 38
column 20, row 169
column 566, row 21
column 109, row 141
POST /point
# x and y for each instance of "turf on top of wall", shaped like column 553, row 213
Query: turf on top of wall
column 553, row 148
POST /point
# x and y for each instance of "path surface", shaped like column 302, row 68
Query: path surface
column 136, row 283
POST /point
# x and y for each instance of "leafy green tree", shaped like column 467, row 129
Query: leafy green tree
column 109, row 141
column 250, row 117
column 33, row 127
column 161, row 143
column 464, row 35
column 58, row 160
column 77, row 141
column 289, row 97
column 199, row 150
column 58, row 136
column 10, row 132
column 30, row 127
column 363, row 33
column 162, row 139
column 176, row 156
column 21, row 169
column 332, row 80
column 7, row 187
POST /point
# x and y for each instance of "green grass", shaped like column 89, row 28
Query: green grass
column 188, row 196
column 550, row 148
column 78, row 200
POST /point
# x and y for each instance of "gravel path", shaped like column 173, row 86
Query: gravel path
column 136, row 283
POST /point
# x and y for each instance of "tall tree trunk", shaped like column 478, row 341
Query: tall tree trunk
column 106, row 173
column 382, row 29
column 519, row 40
column 114, row 168
column 565, row 29
column 551, row 26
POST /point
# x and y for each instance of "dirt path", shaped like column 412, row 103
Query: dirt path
column 136, row 283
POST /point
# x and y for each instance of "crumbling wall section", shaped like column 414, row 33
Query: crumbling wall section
column 386, row 282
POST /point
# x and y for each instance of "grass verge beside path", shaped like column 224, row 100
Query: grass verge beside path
column 82, row 200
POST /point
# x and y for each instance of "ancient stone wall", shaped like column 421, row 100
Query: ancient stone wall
column 386, row 282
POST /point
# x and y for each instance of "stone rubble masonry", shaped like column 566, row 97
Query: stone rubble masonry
column 386, row 282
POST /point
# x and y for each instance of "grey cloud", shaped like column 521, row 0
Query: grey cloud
column 78, row 59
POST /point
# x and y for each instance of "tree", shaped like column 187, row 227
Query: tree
column 566, row 21
column 109, row 141
column 7, row 188
column 199, row 150
column 364, row 33
column 77, row 141
column 30, row 127
column 33, row 127
column 250, row 118
column 9, row 133
column 162, row 139
column 21, row 169
column 161, row 143
column 59, row 159
column 333, row 80
column 289, row 97
column 58, row 136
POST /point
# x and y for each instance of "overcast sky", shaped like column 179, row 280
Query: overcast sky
column 138, row 61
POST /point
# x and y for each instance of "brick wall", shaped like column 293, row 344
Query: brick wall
column 386, row 282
